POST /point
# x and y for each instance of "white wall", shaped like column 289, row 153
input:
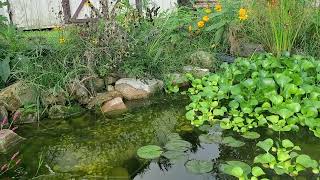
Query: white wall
column 3, row 10
column 34, row 14
column 164, row 4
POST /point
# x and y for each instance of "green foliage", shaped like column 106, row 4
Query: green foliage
column 280, row 93
column 199, row 167
column 282, row 25
column 242, row 170
column 149, row 152
column 285, row 158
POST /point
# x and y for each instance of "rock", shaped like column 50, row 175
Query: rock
column 103, row 97
column 16, row 95
column 3, row 112
column 248, row 49
column 178, row 79
column 27, row 118
column 114, row 105
column 8, row 140
column 203, row 59
column 63, row 112
column 78, row 91
column 98, row 84
column 52, row 97
column 110, row 88
column 132, row 88
column 196, row 71
column 111, row 79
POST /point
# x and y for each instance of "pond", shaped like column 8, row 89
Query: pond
column 97, row 147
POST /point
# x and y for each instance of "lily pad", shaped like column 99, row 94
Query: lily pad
column 178, row 145
column 199, row 166
column 210, row 138
column 149, row 152
column 174, row 155
column 230, row 141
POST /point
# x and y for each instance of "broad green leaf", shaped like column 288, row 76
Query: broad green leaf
column 235, row 90
column 273, row 118
column 149, row 152
column 264, row 158
column 244, row 166
column 309, row 111
column 295, row 107
column 199, row 167
column 230, row 141
column 257, row 171
column 306, row 161
column 174, row 155
column 285, row 113
column 190, row 115
column 210, row 138
column 282, row 79
column 266, row 144
column 286, row 143
column 233, row 104
column 276, row 99
column 251, row 135
column 283, row 156
column 177, row 145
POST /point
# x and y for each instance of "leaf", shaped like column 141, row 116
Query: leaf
column 5, row 69
column 190, row 115
column 177, row 145
column 274, row 119
column 264, row 158
column 286, row 143
column 174, row 155
column 295, row 107
column 230, row 141
column 285, row 113
column 233, row 104
column 215, row 26
column 210, row 138
column 199, row 166
column 235, row 168
column 244, row 166
column 235, row 90
column 251, row 135
column 282, row 79
column 276, row 99
column 257, row 171
column 266, row 144
column 309, row 111
column 149, row 152
column 306, row 161
column 283, row 156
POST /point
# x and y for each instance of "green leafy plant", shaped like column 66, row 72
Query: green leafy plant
column 279, row 93
column 242, row 170
column 285, row 158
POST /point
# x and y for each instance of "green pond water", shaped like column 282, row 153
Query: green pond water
column 97, row 147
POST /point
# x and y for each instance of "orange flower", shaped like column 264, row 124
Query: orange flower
column 218, row 7
column 205, row 18
column 243, row 14
column 201, row 24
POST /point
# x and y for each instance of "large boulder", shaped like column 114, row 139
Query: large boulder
column 203, row 59
column 63, row 112
column 248, row 49
column 16, row 95
column 8, row 140
column 132, row 88
column 114, row 106
column 53, row 98
column 98, row 100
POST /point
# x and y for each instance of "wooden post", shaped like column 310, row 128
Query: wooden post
column 66, row 11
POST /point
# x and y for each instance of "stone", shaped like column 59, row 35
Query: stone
column 8, row 140
column 53, row 98
column 27, row 118
column 98, row 100
column 178, row 79
column 111, row 79
column 203, row 59
column 196, row 71
column 63, row 112
column 78, row 91
column 16, row 95
column 114, row 105
column 110, row 88
column 132, row 88
column 3, row 112
column 248, row 49
column 98, row 84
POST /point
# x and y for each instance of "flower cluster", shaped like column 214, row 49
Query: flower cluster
column 243, row 14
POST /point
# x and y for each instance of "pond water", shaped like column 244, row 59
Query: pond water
column 97, row 147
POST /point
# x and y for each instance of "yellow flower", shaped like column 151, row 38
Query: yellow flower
column 207, row 10
column 205, row 18
column 218, row 7
column 62, row 40
column 190, row 28
column 243, row 14
column 201, row 24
